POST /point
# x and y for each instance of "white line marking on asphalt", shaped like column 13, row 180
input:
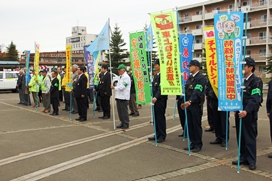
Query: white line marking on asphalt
column 87, row 158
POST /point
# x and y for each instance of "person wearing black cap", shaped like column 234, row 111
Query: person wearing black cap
column 194, row 92
column 160, row 103
column 54, row 93
column 251, row 101
column 80, row 94
column 105, row 92
column 269, row 109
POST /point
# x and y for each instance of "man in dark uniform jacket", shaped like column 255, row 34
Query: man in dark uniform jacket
column 251, row 102
column 105, row 92
column 54, row 94
column 80, row 94
column 269, row 109
column 194, row 91
column 160, row 103
column 218, row 118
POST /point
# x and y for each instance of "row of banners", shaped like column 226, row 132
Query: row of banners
column 224, row 51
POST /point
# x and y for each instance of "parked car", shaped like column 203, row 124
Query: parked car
column 8, row 80
column 114, row 79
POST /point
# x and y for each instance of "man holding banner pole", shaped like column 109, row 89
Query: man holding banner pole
column 194, row 92
column 251, row 101
column 160, row 103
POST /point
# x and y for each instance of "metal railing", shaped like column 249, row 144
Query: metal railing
column 258, row 22
column 258, row 57
column 257, row 40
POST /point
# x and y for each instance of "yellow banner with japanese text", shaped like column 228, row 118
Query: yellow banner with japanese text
column 211, row 60
column 37, row 58
column 68, row 74
column 164, row 26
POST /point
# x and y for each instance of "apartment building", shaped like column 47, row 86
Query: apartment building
column 193, row 18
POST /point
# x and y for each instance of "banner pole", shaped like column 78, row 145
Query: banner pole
column 227, row 129
column 113, row 111
column 240, row 123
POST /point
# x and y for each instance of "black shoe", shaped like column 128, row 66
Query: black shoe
column 119, row 126
column 101, row 117
column 106, row 117
column 65, row 109
column 269, row 156
column 78, row 119
column 82, row 120
column 19, row 103
column 191, row 148
column 223, row 144
column 209, row 130
column 151, row 138
column 54, row 114
column 160, row 140
column 216, row 141
column 135, row 115
column 74, row 112
column 125, row 127
column 241, row 162
column 181, row 135
column 131, row 114
column 195, row 150
column 100, row 110
column 97, row 109
column 252, row 167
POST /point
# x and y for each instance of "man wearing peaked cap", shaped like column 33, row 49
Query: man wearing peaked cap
column 160, row 103
column 252, row 97
column 122, row 96
column 194, row 92
column 45, row 88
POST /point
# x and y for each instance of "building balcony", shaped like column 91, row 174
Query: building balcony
column 209, row 15
column 197, row 18
column 247, row 41
column 270, row 21
column 247, row 25
column 198, row 46
column 257, row 40
column 197, row 32
column 258, row 57
column 258, row 23
column 258, row 5
column 185, row 19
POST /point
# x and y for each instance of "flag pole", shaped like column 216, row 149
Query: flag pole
column 113, row 111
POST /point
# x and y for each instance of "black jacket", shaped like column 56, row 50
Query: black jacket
column 80, row 86
column 132, row 88
column 104, row 86
column 156, row 88
column 54, row 89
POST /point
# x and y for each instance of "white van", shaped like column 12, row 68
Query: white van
column 8, row 80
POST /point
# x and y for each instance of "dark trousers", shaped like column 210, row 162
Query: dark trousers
column 105, row 103
column 122, row 108
column 87, row 97
column 55, row 105
column 21, row 95
column 248, row 137
column 219, row 119
column 210, row 113
column 181, row 113
column 194, row 114
column 132, row 104
column 160, row 121
column 82, row 107
column 270, row 120
column 60, row 95
column 67, row 100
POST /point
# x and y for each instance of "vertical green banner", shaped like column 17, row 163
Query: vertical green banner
column 164, row 25
column 139, row 67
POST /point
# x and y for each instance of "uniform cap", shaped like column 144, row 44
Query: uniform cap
column 44, row 70
column 121, row 66
column 157, row 61
column 194, row 63
column 250, row 62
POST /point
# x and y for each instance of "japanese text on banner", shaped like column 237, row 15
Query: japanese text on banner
column 164, row 25
column 68, row 73
column 139, row 67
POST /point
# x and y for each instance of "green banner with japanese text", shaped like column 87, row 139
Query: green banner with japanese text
column 164, row 25
column 139, row 67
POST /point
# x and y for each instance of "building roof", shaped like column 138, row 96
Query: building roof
column 207, row 2
column 2, row 62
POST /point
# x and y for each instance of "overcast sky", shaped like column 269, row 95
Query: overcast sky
column 49, row 22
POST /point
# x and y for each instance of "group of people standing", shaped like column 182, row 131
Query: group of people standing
column 192, row 102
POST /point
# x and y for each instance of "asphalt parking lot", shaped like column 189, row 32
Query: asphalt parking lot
column 37, row 146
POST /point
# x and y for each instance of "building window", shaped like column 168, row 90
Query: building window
column 249, row 35
column 248, row 52
column 263, row 18
column 199, row 13
column 186, row 29
column 198, row 26
column 245, row 3
column 262, row 35
column 186, row 16
column 231, row 7
column 218, row 8
column 263, row 2
column 262, row 52
column 199, row 40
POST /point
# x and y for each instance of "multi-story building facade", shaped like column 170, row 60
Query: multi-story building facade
column 79, row 38
column 193, row 18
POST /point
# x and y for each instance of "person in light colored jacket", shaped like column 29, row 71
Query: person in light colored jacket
column 122, row 96
column 45, row 87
